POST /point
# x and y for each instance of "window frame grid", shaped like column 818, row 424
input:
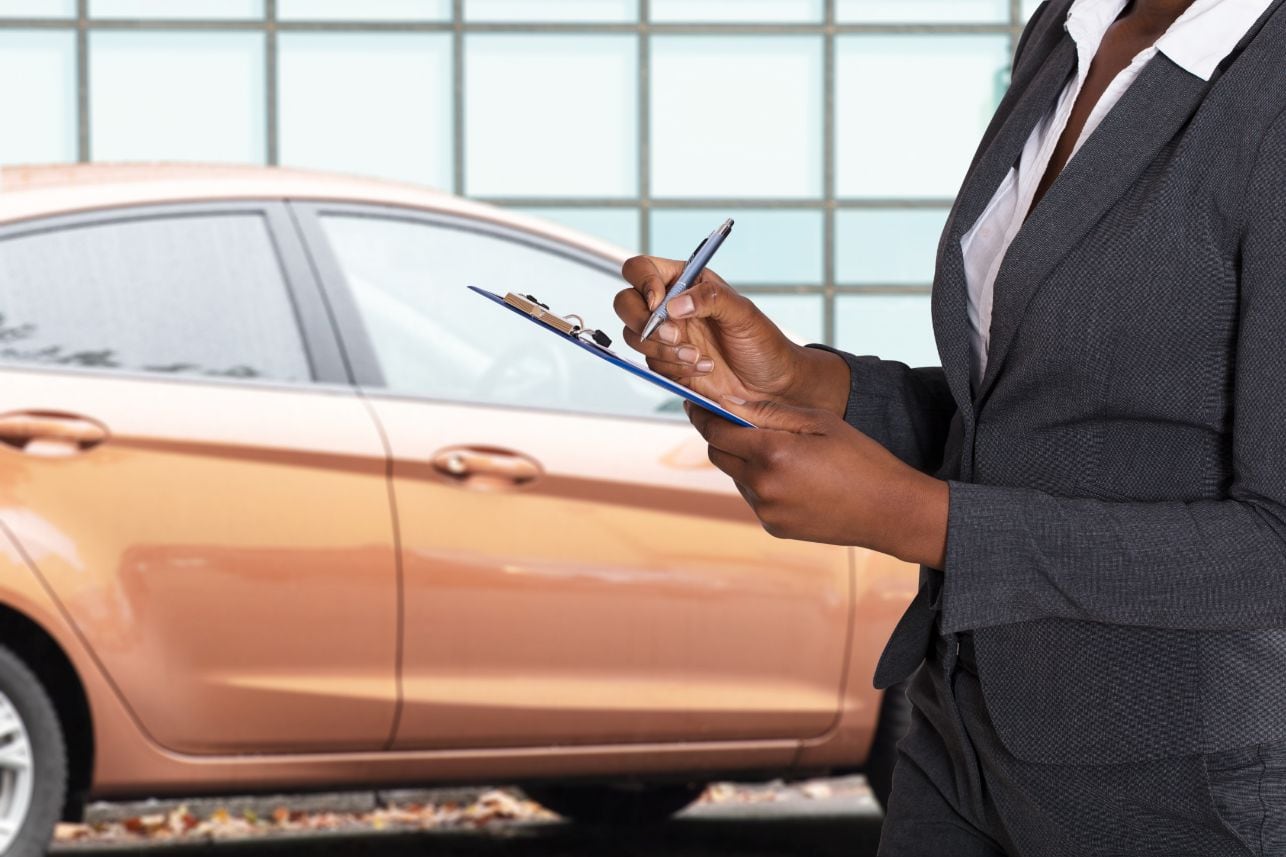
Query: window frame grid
column 644, row 203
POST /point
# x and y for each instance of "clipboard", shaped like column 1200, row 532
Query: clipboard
column 564, row 329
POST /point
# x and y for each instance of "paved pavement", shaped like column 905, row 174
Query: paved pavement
column 827, row 827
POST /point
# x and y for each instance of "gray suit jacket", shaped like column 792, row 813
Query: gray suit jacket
column 1117, row 535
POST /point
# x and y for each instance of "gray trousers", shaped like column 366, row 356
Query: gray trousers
column 957, row 792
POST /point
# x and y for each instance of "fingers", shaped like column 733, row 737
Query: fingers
column 712, row 298
column 684, row 355
column 709, row 297
column 708, row 425
column 735, row 467
column 770, row 419
column 752, row 500
column 780, row 417
column 651, row 276
column 733, row 439
column 675, row 371
column 739, row 469
column 630, row 308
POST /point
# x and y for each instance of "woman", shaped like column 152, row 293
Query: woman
column 1094, row 481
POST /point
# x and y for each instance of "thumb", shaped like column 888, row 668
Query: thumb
column 777, row 416
column 714, row 299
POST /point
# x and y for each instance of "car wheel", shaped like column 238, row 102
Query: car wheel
column 616, row 805
column 33, row 761
column 895, row 720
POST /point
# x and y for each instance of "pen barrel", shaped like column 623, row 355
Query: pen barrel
column 691, row 273
column 662, row 312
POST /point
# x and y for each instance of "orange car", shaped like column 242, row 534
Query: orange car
column 284, row 506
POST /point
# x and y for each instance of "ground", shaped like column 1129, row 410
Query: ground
column 818, row 817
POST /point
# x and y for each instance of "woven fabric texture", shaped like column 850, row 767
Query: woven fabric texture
column 1117, row 536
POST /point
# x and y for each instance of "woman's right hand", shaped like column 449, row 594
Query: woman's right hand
column 719, row 343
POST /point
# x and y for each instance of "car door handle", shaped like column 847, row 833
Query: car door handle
column 485, row 467
column 50, row 434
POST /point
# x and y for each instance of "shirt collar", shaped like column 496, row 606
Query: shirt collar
column 1208, row 32
column 1197, row 42
column 1087, row 22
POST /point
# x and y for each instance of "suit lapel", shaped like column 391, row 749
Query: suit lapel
column 1151, row 113
column 1031, row 100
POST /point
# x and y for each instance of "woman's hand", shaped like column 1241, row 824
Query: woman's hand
column 719, row 343
column 809, row 475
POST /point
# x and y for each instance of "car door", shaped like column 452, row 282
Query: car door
column 185, row 464
column 574, row 570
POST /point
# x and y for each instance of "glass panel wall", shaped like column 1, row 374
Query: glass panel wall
column 177, row 96
column 37, row 8
column 835, row 132
column 550, row 115
column 37, row 83
column 736, row 116
column 343, row 101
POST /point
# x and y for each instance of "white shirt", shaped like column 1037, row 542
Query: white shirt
column 1197, row 42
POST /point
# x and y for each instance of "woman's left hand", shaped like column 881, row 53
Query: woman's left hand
column 811, row 476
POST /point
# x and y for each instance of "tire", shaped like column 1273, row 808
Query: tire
column 616, row 805
column 895, row 720
column 27, row 715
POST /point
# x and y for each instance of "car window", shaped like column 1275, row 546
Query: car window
column 184, row 295
column 435, row 338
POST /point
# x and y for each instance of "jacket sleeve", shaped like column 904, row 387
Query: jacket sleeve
column 1015, row 554
column 907, row 411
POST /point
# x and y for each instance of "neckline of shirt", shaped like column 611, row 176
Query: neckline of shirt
column 1197, row 41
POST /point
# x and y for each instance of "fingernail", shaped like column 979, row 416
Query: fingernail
column 688, row 354
column 706, row 365
column 652, row 300
column 668, row 333
column 736, row 400
column 680, row 306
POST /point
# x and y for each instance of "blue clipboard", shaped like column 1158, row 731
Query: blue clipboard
column 628, row 365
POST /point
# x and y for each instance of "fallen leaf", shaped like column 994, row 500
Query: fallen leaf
column 816, row 791
column 69, row 832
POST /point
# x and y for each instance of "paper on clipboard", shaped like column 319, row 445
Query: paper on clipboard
column 560, row 327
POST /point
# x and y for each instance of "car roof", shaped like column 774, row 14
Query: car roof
column 46, row 190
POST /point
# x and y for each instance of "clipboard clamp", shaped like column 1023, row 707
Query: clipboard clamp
column 530, row 305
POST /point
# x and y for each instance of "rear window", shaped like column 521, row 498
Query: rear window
column 195, row 295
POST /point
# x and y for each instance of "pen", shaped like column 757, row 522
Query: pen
column 696, row 264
